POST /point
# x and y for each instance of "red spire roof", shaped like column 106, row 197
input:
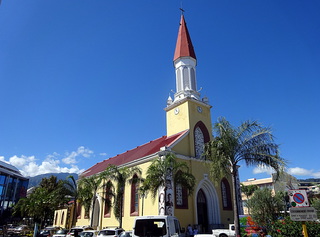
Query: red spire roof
column 144, row 150
column 184, row 47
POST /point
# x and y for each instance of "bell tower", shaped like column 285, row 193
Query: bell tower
column 187, row 110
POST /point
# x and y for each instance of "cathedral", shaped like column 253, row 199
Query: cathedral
column 189, row 126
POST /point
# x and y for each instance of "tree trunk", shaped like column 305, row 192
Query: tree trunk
column 92, row 212
column 120, row 221
column 235, row 201
column 74, row 216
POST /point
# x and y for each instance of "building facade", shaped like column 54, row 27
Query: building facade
column 189, row 126
column 13, row 186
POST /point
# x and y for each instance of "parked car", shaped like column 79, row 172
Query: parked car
column 21, row 230
column 110, row 232
column 49, row 231
column 89, row 233
column 126, row 234
column 78, row 229
column 10, row 229
column 61, row 233
column 225, row 232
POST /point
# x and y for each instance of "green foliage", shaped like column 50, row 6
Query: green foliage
column 41, row 204
column 87, row 190
column 250, row 142
column 243, row 223
column 315, row 202
column 71, row 187
column 266, row 207
column 267, row 212
column 288, row 228
column 121, row 176
column 248, row 190
column 164, row 167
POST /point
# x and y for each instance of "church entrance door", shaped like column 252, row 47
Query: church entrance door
column 202, row 210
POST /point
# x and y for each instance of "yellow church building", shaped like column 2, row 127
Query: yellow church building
column 189, row 126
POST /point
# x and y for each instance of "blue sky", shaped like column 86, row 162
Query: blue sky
column 81, row 81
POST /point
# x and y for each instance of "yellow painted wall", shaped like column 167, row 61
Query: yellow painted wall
column 58, row 215
column 82, row 221
column 188, row 216
column 187, row 117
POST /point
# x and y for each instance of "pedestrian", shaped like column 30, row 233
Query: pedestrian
column 195, row 230
column 189, row 230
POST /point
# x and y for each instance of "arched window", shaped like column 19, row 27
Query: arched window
column 134, row 209
column 193, row 79
column 186, row 82
column 201, row 136
column 226, row 194
column 107, row 200
column 179, row 80
column 181, row 195
column 62, row 217
column 198, row 142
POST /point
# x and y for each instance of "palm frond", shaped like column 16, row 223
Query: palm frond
column 164, row 167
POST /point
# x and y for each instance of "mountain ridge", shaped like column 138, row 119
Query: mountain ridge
column 35, row 180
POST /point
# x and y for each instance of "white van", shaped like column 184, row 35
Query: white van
column 155, row 226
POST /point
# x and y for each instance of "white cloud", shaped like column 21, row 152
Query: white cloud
column 30, row 166
column 263, row 169
column 81, row 151
column 54, row 155
column 21, row 161
column 297, row 171
column 70, row 159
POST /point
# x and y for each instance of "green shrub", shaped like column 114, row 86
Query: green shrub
column 289, row 228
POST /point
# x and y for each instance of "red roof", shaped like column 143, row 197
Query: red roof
column 134, row 154
column 184, row 47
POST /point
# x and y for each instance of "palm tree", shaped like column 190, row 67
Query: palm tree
column 71, row 186
column 143, row 191
column 87, row 191
column 121, row 176
column 163, row 167
column 250, row 143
